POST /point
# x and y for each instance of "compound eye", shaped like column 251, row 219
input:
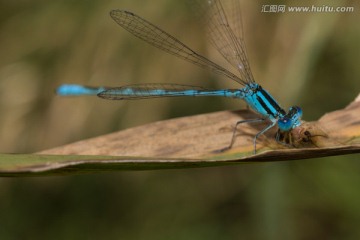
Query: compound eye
column 285, row 124
column 296, row 110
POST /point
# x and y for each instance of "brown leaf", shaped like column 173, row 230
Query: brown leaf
column 199, row 137
column 192, row 142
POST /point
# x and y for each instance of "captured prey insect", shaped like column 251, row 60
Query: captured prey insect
column 227, row 37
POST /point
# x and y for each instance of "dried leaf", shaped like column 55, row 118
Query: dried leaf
column 193, row 142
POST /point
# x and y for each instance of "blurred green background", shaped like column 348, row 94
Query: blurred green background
column 306, row 59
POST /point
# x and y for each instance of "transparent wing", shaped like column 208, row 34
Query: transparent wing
column 224, row 29
column 153, row 35
column 150, row 90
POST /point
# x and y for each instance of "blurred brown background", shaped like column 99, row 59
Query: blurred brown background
column 306, row 59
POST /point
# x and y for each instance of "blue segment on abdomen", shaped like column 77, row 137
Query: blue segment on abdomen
column 220, row 93
column 169, row 92
column 77, row 90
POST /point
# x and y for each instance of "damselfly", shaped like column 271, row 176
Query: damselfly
column 227, row 37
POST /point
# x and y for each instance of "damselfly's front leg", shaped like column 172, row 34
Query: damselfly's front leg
column 235, row 130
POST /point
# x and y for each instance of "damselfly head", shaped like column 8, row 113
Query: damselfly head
column 291, row 120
